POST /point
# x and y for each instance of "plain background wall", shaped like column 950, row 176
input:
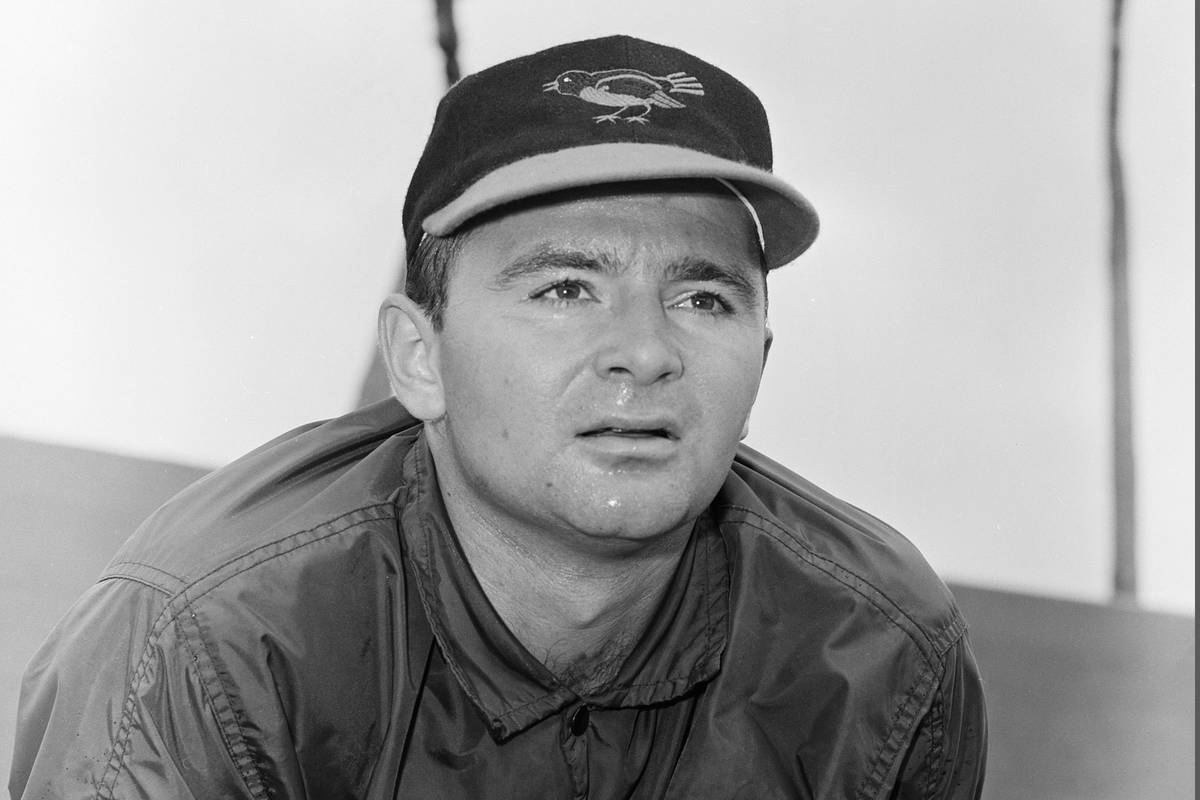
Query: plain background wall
column 201, row 208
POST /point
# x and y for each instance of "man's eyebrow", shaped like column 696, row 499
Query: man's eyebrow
column 549, row 258
column 735, row 279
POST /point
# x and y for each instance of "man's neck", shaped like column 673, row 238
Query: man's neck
column 579, row 610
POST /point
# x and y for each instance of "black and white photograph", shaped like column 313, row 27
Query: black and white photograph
column 634, row 400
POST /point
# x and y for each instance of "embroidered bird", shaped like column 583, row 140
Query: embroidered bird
column 625, row 89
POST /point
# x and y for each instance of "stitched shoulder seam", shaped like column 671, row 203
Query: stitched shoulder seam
column 149, row 584
column 899, row 734
column 927, row 644
column 949, row 635
column 229, row 726
column 120, row 742
column 286, row 545
column 935, row 764
column 174, row 607
column 145, row 574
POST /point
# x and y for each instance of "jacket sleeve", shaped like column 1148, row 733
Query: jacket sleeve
column 113, row 706
column 949, row 753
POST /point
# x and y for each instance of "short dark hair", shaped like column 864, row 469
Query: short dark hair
column 428, row 277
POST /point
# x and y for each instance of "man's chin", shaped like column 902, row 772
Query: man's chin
column 638, row 504
column 619, row 523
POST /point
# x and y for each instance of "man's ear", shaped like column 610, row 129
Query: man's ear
column 768, row 337
column 408, row 344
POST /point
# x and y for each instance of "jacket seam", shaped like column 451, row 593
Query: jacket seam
column 940, row 640
column 893, row 746
column 291, row 547
column 937, row 641
column 149, row 584
column 832, row 568
column 237, row 750
column 949, row 634
column 116, row 760
column 935, row 764
column 240, row 751
column 175, row 606
column 115, row 571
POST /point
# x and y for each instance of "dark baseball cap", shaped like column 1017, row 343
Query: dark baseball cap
column 600, row 111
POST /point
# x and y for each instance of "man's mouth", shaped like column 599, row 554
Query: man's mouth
column 630, row 433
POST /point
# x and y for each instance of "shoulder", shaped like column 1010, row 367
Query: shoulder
column 332, row 479
column 265, row 599
column 834, row 552
column 295, row 546
column 842, row 624
column 276, row 586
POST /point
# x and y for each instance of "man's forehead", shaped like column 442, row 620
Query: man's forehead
column 610, row 224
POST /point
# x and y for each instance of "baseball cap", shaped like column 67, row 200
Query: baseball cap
column 608, row 110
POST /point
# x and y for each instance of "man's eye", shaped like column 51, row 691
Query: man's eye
column 705, row 301
column 564, row 291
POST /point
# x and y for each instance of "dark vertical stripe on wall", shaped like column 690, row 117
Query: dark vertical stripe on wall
column 448, row 39
column 1124, row 494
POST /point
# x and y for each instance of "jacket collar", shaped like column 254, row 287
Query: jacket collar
column 512, row 690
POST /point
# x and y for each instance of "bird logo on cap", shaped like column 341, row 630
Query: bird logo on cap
column 624, row 89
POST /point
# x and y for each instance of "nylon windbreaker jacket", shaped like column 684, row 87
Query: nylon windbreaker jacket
column 300, row 624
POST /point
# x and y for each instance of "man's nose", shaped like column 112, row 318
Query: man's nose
column 640, row 344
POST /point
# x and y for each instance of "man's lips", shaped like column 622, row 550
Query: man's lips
column 631, row 443
column 654, row 428
column 632, row 433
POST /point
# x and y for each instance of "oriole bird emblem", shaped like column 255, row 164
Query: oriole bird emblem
column 624, row 89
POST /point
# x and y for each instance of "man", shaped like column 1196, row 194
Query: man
column 550, row 570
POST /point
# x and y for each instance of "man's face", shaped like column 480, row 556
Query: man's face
column 599, row 359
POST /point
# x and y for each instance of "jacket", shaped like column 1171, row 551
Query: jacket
column 270, row 632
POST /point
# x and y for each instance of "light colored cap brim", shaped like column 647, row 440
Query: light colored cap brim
column 789, row 223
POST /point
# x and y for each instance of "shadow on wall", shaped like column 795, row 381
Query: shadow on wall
column 1084, row 700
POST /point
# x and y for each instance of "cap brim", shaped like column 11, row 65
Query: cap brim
column 789, row 222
